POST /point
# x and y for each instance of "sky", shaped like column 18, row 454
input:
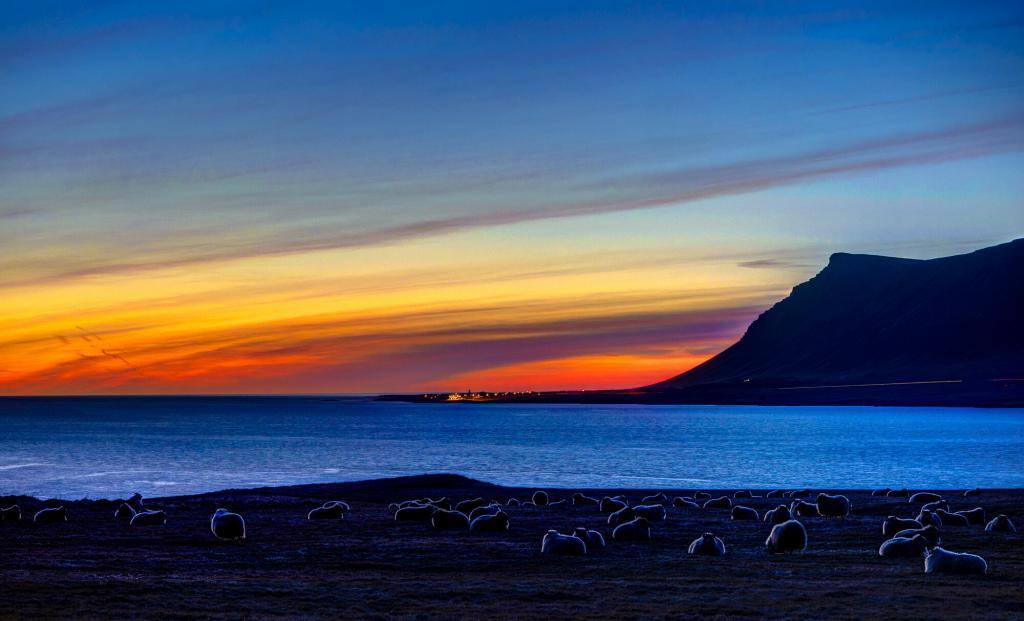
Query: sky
column 256, row 197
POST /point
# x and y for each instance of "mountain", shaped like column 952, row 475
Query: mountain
column 872, row 319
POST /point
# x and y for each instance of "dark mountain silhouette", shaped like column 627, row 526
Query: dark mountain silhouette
column 873, row 319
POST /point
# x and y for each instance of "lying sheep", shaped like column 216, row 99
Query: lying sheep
column 593, row 539
column 930, row 533
column 581, row 500
column 740, row 512
column 786, row 538
column 327, row 511
column 939, row 561
column 974, row 516
column 415, row 513
column 707, row 545
column 654, row 499
column 701, row 495
column 972, row 492
column 924, row 497
column 636, row 530
column 775, row 493
column 485, row 510
column 610, row 505
column 833, row 506
column 898, row 493
column 778, row 515
column 466, row 506
column 901, row 547
column 540, row 498
column 442, row 519
column 1001, row 524
column 881, row 492
column 722, row 502
column 10, row 514
column 51, row 515
column 798, row 493
column 929, row 517
column 952, row 519
column 490, row 523
column 149, row 518
column 124, row 513
column 893, row 525
column 621, row 516
column 800, row 508
column 562, row 545
column 682, row 503
column 227, row 525
column 653, row 513
column 743, row 494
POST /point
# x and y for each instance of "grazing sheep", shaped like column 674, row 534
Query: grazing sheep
column 787, row 537
column 653, row 513
column 125, row 512
column 898, row 493
column 682, row 503
column 974, row 516
column 328, row 511
column 707, row 545
column 798, row 493
column 490, row 523
column 743, row 494
column 135, row 502
column 893, row 525
column 512, row 502
column 722, row 502
column 972, row 492
column 937, row 504
column 901, row 547
column 149, row 518
column 929, row 517
column 924, row 497
column 562, row 545
column 486, row 510
column 881, row 492
column 799, row 508
column 833, row 506
column 621, row 516
column 952, row 519
column 1001, row 524
column 610, row 505
column 51, row 515
column 928, row 532
column 653, row 499
column 466, row 506
column 581, row 500
column 593, row 539
column 739, row 512
column 415, row 513
column 701, row 496
column 775, row 493
column 778, row 515
column 449, row 520
column 637, row 530
column 540, row 498
column 227, row 525
column 939, row 561
column 10, row 514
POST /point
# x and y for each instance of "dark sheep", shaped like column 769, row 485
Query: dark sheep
column 227, row 525
column 415, row 513
column 449, row 520
column 775, row 493
column 923, row 497
column 610, row 505
column 975, row 516
column 901, row 547
column 798, row 493
column 486, row 510
column 540, row 498
column 621, row 516
column 929, row 517
column 1001, row 524
column 683, row 503
column 743, row 494
column 562, row 545
column 653, row 513
column 490, row 523
column 654, row 499
column 799, row 508
column 593, row 539
column 833, row 506
column 581, row 500
column 125, row 512
column 149, row 518
column 739, row 512
column 722, row 502
column 898, row 493
column 778, row 515
column 466, row 506
column 636, row 530
column 51, row 515
column 786, row 538
column 10, row 514
column 972, row 492
column 881, row 492
column 939, row 561
column 707, row 545
column 701, row 495
column 929, row 532
column 952, row 519
column 327, row 511
column 893, row 525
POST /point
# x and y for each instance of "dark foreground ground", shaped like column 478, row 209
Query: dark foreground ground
column 368, row 566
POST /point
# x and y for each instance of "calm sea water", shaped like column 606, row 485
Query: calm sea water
column 109, row 447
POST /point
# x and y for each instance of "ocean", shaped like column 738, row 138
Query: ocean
column 108, row 447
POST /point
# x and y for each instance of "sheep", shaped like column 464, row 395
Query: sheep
column 327, row 511
column 556, row 503
column 881, row 492
column 701, row 496
column 440, row 503
column 581, row 500
column 540, row 498
column 135, row 502
column 898, row 493
column 743, row 494
column 636, row 530
column 593, row 539
column 490, row 523
column 936, row 504
column 833, row 506
column 467, row 506
column 485, row 510
column 798, row 493
column 775, row 493
column 658, row 498
column 923, row 497
column 974, row 516
column 707, row 545
column 740, row 512
column 415, row 513
column 787, row 537
column 939, row 561
column 928, row 532
column 610, row 505
column 562, row 545
column 778, row 515
column 227, row 525
column 799, row 508
column 972, row 492
column 929, row 517
column 125, row 512
column 442, row 519
column 901, row 547
column 653, row 513
column 512, row 502
column 722, row 502
column 1001, row 524
column 682, row 503
column 621, row 516
column 893, row 525
column 10, row 514
column 952, row 519
column 149, row 518
column 51, row 515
